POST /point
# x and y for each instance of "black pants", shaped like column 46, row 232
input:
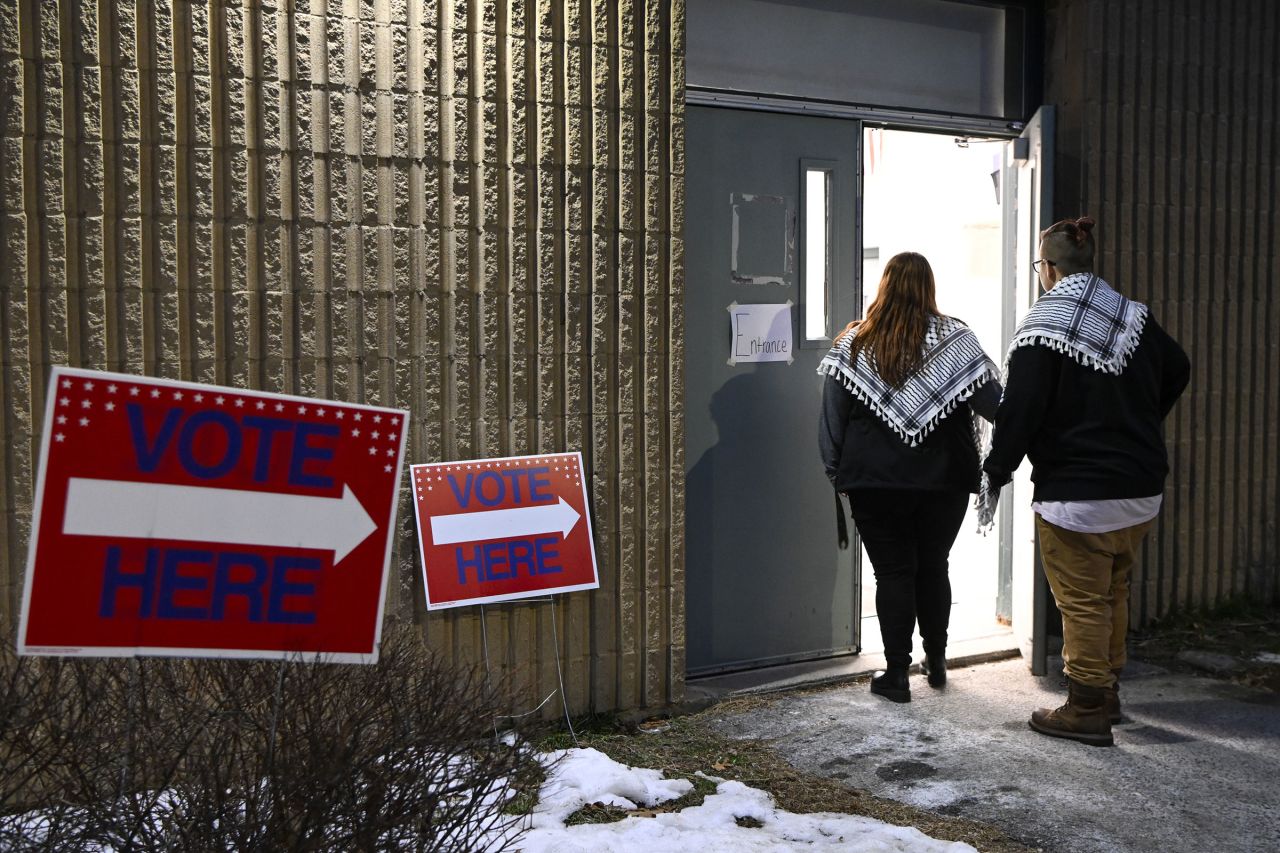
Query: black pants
column 908, row 536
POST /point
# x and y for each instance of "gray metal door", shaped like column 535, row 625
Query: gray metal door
column 766, row 582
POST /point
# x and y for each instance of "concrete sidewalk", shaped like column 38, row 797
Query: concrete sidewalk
column 1196, row 767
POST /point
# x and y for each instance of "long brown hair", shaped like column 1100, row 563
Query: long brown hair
column 893, row 331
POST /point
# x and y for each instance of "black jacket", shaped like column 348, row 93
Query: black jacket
column 1090, row 435
column 860, row 451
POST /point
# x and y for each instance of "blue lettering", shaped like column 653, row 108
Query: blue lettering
column 171, row 583
column 514, row 478
column 186, row 444
column 225, row 586
column 281, row 586
column 490, row 477
column 268, row 427
column 495, row 556
column 465, row 563
column 113, row 579
column 544, row 546
column 464, row 496
column 303, row 453
column 149, row 455
column 524, row 558
column 540, row 485
column 167, row 593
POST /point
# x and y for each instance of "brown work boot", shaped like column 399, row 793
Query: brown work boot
column 1113, row 702
column 1084, row 718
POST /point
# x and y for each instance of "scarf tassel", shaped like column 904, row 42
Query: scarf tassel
column 913, row 439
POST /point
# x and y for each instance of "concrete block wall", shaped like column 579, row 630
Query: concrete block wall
column 1167, row 124
column 471, row 209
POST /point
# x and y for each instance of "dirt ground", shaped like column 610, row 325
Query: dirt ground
column 682, row 745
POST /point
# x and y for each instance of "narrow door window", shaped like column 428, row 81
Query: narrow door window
column 816, row 253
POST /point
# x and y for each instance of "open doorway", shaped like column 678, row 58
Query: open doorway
column 939, row 195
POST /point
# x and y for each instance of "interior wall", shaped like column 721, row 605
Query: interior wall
column 922, row 192
column 470, row 209
column 1166, row 135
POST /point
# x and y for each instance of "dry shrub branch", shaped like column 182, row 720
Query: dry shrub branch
column 208, row 755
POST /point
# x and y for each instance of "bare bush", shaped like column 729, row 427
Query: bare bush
column 206, row 755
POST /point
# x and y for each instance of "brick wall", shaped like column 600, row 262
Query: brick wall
column 1167, row 116
column 467, row 208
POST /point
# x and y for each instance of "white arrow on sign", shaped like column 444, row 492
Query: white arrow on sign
column 128, row 510
column 504, row 523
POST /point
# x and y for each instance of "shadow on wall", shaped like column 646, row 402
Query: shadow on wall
column 749, row 595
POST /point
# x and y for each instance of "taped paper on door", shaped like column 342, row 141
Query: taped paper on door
column 760, row 332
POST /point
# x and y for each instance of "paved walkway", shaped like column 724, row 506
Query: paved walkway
column 1195, row 768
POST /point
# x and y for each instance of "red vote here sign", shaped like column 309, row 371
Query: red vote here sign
column 502, row 529
column 180, row 519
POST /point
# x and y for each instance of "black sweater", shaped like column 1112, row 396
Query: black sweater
column 1090, row 435
column 860, row 451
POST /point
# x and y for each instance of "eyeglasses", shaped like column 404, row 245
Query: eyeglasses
column 1035, row 265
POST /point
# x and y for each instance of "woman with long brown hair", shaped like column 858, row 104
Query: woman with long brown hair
column 900, row 437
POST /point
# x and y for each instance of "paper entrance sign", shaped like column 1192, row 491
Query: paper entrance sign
column 495, row 530
column 179, row 519
column 760, row 332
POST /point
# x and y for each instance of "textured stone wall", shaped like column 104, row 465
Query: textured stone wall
column 471, row 209
column 1167, row 122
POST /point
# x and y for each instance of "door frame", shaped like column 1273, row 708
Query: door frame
column 1016, row 134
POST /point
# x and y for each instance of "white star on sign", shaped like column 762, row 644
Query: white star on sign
column 279, row 407
column 110, row 407
column 340, row 414
column 373, row 434
column 84, row 422
column 66, row 383
column 302, row 410
column 395, row 421
column 355, row 432
column 387, row 469
column 66, row 401
column 111, row 389
column 320, row 412
column 60, row 437
column 239, row 403
column 391, row 436
column 177, row 395
column 358, row 416
column 259, row 405
column 391, row 451
column 155, row 392
column 133, row 392
column 373, row 450
column 377, row 419
column 219, row 399
column 86, row 404
column 199, row 398
column 62, row 419
column 88, row 386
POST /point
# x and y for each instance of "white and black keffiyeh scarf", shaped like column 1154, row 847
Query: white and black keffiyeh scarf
column 1084, row 318
column 954, row 366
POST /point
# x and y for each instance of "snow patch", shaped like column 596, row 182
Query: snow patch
column 583, row 776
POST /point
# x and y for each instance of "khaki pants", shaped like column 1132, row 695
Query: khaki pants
column 1089, row 576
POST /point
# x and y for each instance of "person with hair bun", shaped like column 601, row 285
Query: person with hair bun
column 1089, row 379
column 900, row 436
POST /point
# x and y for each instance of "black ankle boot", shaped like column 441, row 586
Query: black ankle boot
column 935, row 666
column 892, row 684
